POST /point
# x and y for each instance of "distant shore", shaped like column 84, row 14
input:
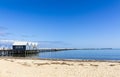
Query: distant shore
column 34, row 67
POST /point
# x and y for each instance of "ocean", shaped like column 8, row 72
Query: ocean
column 77, row 54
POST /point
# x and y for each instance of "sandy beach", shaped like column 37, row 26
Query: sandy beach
column 54, row 68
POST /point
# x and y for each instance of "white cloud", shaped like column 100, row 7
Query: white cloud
column 4, row 34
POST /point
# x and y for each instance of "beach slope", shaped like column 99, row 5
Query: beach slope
column 55, row 68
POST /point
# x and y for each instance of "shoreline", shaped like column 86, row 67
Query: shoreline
column 71, row 60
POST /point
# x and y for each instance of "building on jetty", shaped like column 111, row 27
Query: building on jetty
column 19, row 47
column 24, row 47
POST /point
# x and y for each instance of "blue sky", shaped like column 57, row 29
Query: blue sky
column 79, row 23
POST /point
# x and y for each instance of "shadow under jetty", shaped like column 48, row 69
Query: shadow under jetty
column 18, row 53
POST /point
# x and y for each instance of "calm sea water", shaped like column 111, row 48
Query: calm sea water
column 80, row 54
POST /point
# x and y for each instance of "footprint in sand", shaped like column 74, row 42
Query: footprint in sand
column 112, row 65
column 81, row 64
column 94, row 65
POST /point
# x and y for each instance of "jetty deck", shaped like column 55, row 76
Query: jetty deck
column 11, row 51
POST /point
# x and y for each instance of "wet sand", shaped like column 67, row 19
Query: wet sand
column 20, row 67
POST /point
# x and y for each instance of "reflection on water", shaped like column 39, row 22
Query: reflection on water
column 19, row 55
column 24, row 55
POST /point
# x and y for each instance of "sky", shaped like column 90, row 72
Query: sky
column 77, row 23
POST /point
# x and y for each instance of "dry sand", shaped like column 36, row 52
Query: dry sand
column 50, row 68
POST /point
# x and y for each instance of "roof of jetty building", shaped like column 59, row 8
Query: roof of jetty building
column 25, row 43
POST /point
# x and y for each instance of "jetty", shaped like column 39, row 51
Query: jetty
column 4, row 52
column 19, row 47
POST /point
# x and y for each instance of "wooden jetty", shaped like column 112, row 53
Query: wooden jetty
column 22, row 47
column 54, row 49
column 10, row 52
column 4, row 52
